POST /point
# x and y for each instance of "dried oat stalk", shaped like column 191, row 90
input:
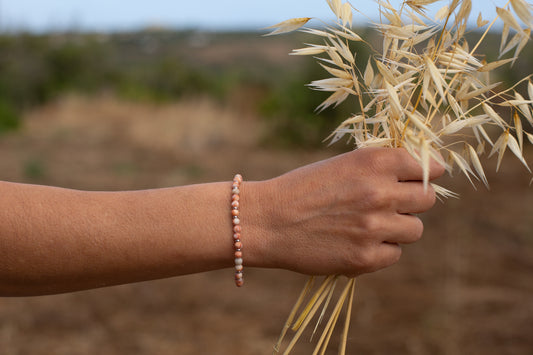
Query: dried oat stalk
column 427, row 89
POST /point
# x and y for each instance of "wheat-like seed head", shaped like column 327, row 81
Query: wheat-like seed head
column 427, row 89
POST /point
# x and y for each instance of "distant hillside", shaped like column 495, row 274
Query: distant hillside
column 161, row 65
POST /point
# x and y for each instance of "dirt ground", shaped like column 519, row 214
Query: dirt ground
column 466, row 288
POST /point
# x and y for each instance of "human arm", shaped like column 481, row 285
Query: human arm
column 339, row 216
column 59, row 240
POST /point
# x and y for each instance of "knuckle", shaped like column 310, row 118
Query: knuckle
column 372, row 226
column 365, row 261
column 401, row 157
column 357, row 260
column 380, row 159
column 372, row 259
column 376, row 197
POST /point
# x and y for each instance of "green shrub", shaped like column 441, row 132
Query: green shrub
column 9, row 118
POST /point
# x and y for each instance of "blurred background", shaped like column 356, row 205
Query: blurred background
column 104, row 96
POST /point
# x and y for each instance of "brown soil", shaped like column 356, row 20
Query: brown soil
column 466, row 288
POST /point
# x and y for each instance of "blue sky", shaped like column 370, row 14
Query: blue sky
column 105, row 15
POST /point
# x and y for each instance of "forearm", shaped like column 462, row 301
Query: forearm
column 345, row 215
column 58, row 240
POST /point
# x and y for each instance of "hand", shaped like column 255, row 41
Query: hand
column 345, row 215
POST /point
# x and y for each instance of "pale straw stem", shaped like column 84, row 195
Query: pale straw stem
column 344, row 338
column 303, row 294
column 310, row 315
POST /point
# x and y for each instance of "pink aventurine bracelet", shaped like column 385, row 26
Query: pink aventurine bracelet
column 237, row 243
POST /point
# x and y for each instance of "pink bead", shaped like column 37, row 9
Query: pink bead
column 235, row 204
column 238, row 254
column 235, row 213
column 237, row 229
column 239, row 283
column 236, row 236
column 239, row 268
column 235, row 197
column 238, row 245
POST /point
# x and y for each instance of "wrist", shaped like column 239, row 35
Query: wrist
column 257, row 219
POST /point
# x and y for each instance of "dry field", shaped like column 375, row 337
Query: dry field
column 466, row 288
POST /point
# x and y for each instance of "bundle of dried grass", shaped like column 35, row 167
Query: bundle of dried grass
column 426, row 90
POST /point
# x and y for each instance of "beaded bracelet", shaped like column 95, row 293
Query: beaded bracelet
column 237, row 243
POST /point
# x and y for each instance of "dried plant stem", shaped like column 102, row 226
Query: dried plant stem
column 326, row 284
column 328, row 330
column 320, row 298
column 308, row 314
column 324, row 308
column 303, row 294
column 486, row 32
column 431, row 115
column 344, row 338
